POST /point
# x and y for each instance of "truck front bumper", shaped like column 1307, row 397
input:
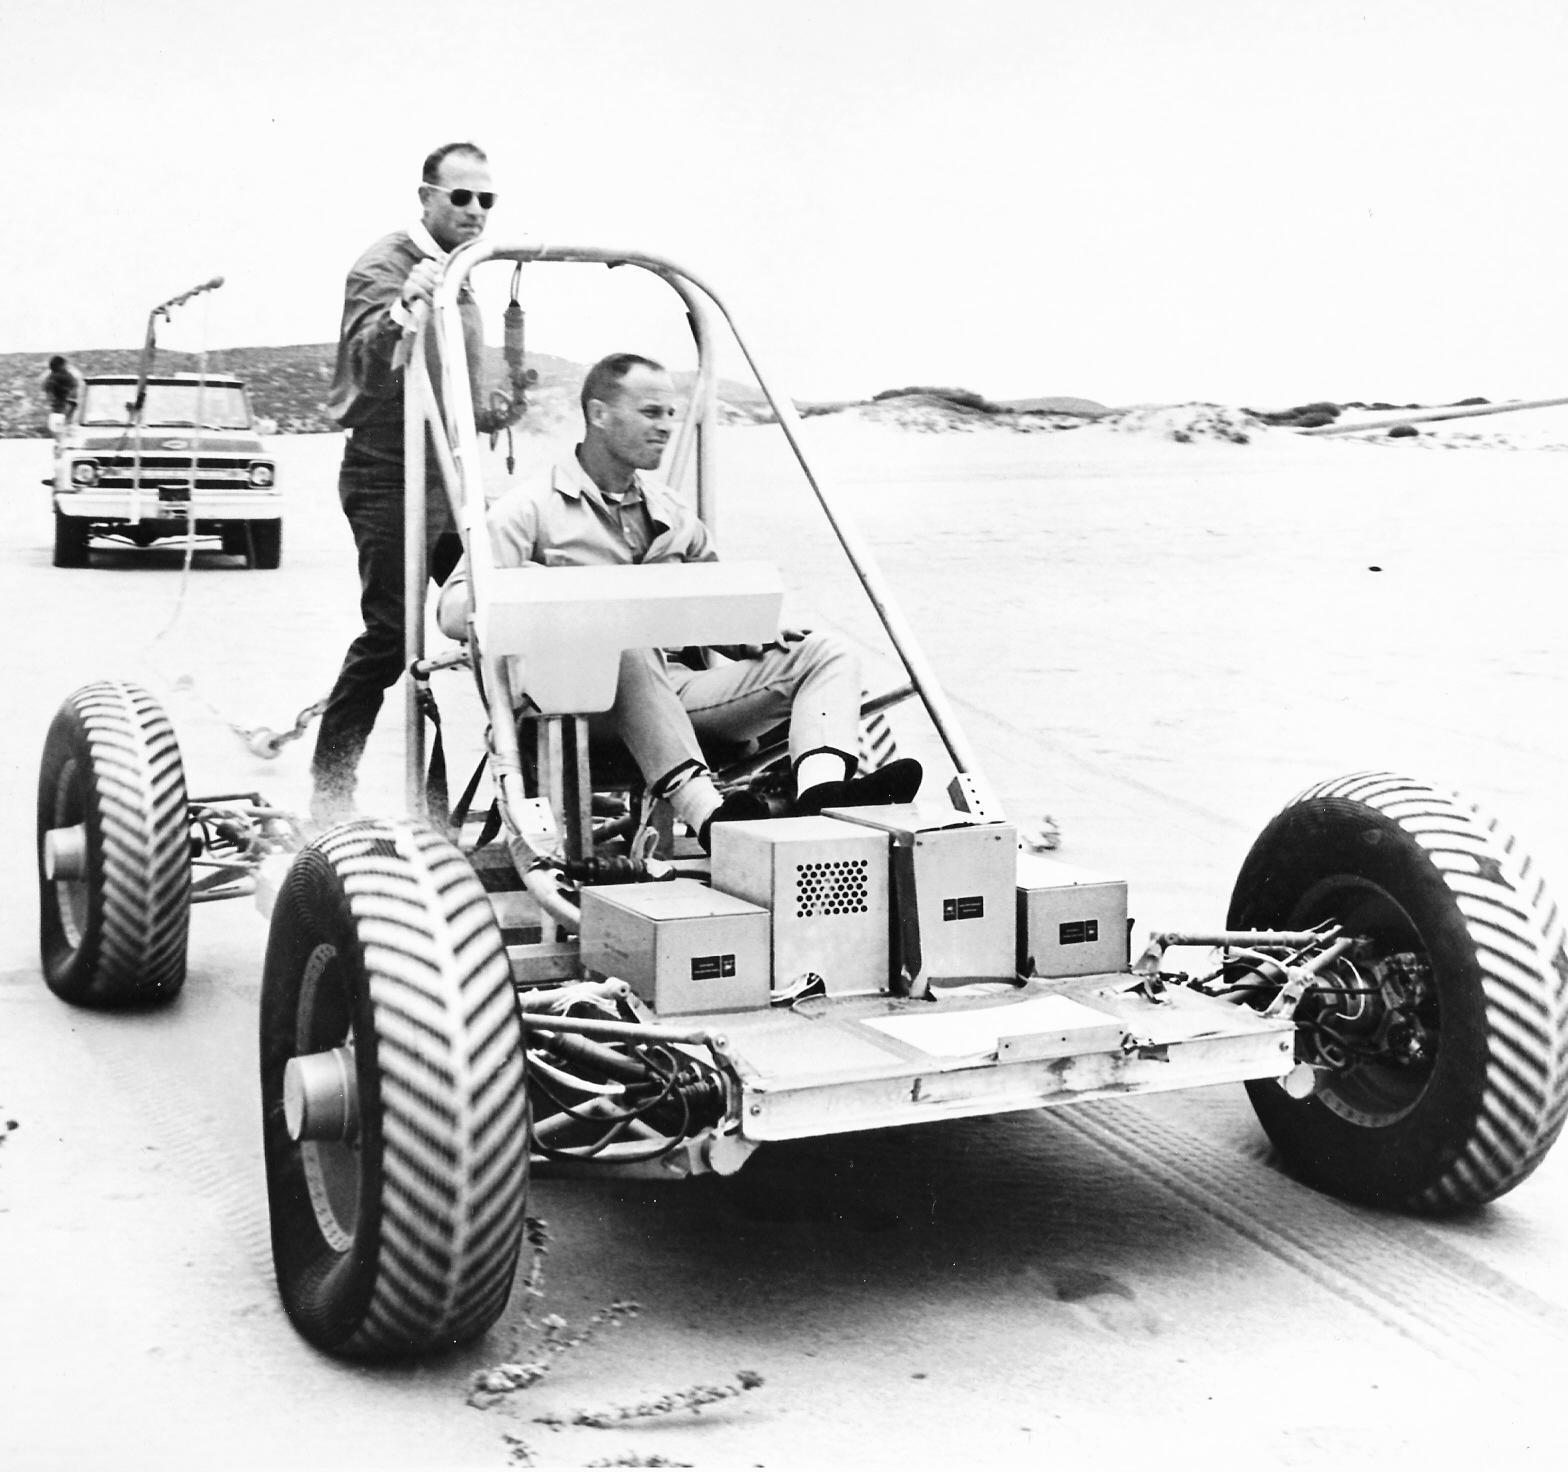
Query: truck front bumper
column 203, row 506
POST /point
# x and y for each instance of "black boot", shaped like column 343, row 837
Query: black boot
column 896, row 782
column 738, row 807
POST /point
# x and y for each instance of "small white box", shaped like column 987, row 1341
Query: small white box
column 953, row 883
column 1070, row 922
column 681, row 946
column 825, row 883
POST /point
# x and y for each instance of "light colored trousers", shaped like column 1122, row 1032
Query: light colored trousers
column 661, row 708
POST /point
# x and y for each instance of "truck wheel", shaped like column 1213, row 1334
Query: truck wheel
column 114, row 869
column 266, row 544
column 70, row 541
column 1446, row 1090
column 394, row 1113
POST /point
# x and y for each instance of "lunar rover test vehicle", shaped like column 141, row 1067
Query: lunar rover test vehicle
column 551, row 970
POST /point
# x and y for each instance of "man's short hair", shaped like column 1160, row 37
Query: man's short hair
column 432, row 169
column 56, row 363
column 604, row 378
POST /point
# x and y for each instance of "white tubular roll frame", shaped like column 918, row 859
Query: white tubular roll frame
column 444, row 408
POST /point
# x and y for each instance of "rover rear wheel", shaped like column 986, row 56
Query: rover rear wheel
column 114, row 876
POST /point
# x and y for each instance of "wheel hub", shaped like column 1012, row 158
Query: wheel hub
column 1371, row 1014
column 320, row 1096
column 65, row 852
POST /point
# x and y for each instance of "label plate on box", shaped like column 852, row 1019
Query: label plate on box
column 711, row 968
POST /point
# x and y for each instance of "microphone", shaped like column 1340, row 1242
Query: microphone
column 185, row 296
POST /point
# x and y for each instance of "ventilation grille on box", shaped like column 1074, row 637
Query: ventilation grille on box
column 831, row 887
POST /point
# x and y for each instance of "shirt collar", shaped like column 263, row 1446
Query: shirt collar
column 426, row 241
column 572, row 480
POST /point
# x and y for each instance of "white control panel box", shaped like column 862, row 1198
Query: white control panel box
column 681, row 946
column 826, row 884
column 1070, row 922
column 953, row 884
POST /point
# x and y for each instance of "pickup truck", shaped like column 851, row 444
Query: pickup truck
column 154, row 457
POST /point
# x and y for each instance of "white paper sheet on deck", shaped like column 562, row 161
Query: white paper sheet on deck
column 958, row 1034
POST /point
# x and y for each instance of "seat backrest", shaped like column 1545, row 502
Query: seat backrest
column 567, row 627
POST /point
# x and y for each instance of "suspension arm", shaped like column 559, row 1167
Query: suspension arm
column 1148, row 964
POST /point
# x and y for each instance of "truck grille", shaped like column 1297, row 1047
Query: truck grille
column 212, row 472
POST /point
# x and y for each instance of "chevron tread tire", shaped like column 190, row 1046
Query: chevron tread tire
column 117, row 935
column 404, row 1240
column 1422, row 872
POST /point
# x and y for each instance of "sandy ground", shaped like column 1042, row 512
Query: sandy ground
column 1156, row 644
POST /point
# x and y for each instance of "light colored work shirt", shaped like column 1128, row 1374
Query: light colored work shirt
column 565, row 520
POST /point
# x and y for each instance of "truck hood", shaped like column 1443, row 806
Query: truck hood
column 161, row 442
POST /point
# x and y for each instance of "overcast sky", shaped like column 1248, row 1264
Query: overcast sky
column 1250, row 201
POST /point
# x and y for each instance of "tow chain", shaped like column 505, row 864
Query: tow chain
column 263, row 741
column 505, row 408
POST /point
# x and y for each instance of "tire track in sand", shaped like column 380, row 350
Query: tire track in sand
column 166, row 1066
column 1395, row 1269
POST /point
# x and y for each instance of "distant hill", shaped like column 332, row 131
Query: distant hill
column 1060, row 404
column 288, row 385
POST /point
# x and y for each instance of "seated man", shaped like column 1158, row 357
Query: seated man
column 598, row 507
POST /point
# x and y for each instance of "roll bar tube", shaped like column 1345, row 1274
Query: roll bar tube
column 456, row 431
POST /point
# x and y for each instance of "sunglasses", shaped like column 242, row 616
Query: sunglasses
column 461, row 197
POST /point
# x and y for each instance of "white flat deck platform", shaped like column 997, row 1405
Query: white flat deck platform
column 836, row 1064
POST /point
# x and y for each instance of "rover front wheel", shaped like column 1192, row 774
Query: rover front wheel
column 395, row 1120
column 114, row 867
column 1442, row 1049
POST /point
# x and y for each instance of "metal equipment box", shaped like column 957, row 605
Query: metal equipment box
column 826, row 883
column 1070, row 922
column 953, row 884
column 681, row 946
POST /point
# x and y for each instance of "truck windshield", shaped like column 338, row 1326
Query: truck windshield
column 169, row 405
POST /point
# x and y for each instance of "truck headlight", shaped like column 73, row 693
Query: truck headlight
column 261, row 475
column 84, row 473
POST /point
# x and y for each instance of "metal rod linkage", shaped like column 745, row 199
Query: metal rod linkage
column 634, row 1032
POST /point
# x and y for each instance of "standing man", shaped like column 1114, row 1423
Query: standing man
column 600, row 506
column 383, row 287
column 62, row 388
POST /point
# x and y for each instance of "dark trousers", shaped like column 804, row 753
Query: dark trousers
column 371, row 490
